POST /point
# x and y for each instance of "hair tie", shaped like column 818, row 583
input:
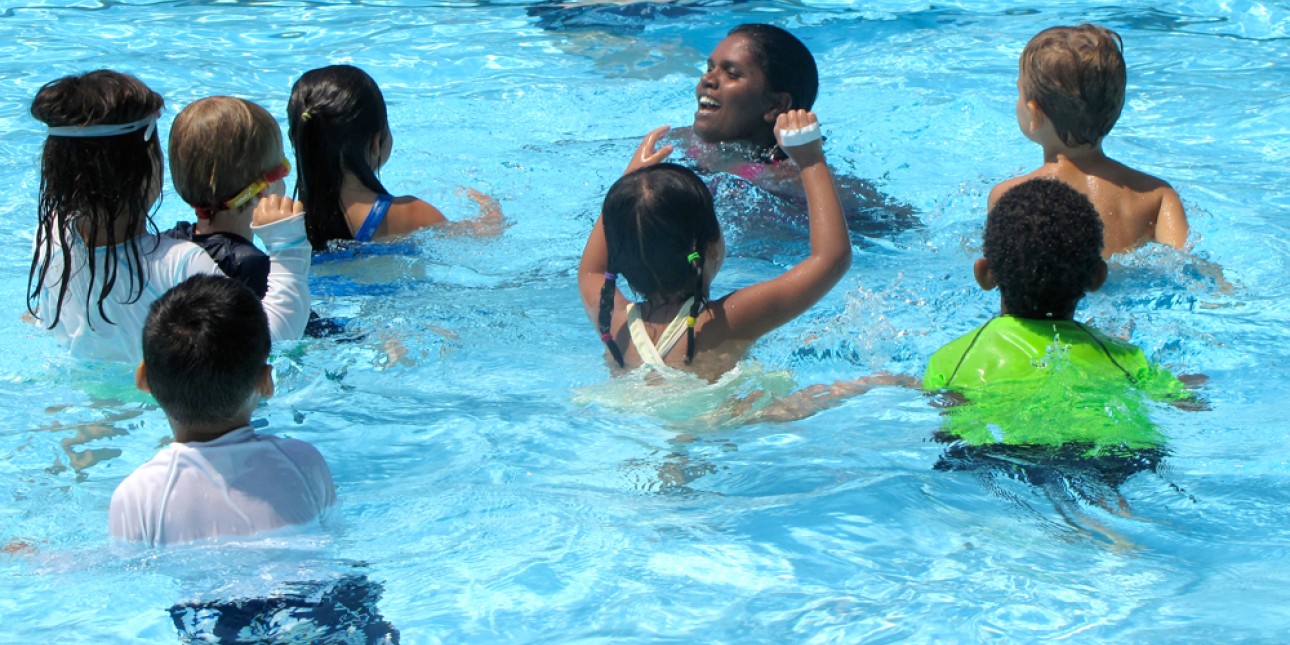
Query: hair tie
column 693, row 257
column 607, row 338
column 306, row 116
column 611, row 276
column 689, row 322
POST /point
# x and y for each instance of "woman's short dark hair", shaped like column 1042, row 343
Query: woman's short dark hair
column 786, row 62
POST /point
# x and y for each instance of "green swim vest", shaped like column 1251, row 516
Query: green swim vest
column 1050, row 382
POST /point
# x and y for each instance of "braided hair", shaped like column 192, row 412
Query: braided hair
column 658, row 220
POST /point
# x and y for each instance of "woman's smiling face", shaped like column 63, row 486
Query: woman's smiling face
column 735, row 100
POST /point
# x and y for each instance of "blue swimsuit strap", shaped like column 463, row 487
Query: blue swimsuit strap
column 374, row 218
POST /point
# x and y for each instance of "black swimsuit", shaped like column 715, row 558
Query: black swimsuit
column 236, row 256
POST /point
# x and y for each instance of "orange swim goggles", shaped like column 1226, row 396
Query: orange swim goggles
column 277, row 172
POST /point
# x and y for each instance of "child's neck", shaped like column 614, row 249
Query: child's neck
column 1055, row 152
column 121, row 232
column 237, row 222
column 200, row 432
column 1067, row 316
column 352, row 190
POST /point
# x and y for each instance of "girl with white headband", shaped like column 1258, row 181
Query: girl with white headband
column 98, row 263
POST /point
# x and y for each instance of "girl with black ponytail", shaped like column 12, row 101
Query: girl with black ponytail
column 337, row 123
column 659, row 232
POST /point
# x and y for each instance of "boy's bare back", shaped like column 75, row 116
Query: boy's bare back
column 1136, row 208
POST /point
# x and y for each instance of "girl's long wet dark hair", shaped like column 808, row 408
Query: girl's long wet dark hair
column 89, row 184
column 658, row 221
column 334, row 115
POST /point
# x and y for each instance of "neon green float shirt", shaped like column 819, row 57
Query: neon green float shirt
column 1050, row 382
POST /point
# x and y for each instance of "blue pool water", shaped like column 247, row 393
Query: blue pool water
column 495, row 499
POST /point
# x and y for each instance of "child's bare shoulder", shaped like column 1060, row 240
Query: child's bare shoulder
column 409, row 214
column 1006, row 185
column 1135, row 180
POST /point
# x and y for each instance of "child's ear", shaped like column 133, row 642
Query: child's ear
column 141, row 377
column 984, row 276
column 1099, row 277
column 780, row 102
column 264, row 384
column 1037, row 116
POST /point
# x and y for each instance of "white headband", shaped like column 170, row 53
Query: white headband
column 147, row 124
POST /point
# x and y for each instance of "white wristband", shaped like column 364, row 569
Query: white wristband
column 800, row 136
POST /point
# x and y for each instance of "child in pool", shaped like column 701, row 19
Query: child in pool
column 97, row 263
column 338, row 126
column 1043, row 250
column 225, row 154
column 205, row 347
column 659, row 231
column 1070, row 91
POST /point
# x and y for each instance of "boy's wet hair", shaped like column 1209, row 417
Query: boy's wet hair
column 205, row 343
column 220, row 145
column 654, row 218
column 786, row 62
column 1077, row 76
column 334, row 115
column 1043, row 242
column 91, row 184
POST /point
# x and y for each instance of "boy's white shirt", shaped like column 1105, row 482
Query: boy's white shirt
column 166, row 263
column 239, row 484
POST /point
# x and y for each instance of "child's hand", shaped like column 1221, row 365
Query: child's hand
column 798, row 133
column 273, row 208
column 645, row 154
column 490, row 221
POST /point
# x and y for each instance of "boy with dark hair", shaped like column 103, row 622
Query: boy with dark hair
column 1035, row 376
column 1070, row 93
column 205, row 347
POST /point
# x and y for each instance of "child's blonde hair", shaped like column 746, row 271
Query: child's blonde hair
column 1077, row 76
column 220, row 145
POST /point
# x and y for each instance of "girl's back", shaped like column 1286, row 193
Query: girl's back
column 659, row 231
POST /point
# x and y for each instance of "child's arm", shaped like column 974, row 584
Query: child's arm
column 280, row 224
column 1171, row 221
column 755, row 310
column 409, row 214
column 595, row 256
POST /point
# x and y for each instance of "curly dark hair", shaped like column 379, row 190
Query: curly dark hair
column 1043, row 241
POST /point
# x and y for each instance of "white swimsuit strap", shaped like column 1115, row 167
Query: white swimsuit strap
column 650, row 353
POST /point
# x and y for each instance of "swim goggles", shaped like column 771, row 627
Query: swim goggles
column 277, row 172
column 148, row 124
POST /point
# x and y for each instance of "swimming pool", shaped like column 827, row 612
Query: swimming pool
column 494, row 504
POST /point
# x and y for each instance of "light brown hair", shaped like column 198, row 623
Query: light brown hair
column 1077, row 76
column 220, row 145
